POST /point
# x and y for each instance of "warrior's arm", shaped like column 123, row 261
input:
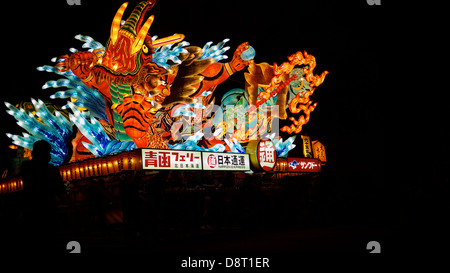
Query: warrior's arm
column 80, row 63
column 217, row 73
column 83, row 65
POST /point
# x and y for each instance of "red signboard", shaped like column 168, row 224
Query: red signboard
column 267, row 154
column 304, row 165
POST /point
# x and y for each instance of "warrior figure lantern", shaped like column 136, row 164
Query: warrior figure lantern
column 141, row 91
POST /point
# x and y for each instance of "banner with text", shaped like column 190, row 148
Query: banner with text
column 171, row 160
column 304, row 165
column 226, row 161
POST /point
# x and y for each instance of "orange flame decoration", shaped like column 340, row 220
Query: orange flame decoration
column 309, row 62
column 307, row 108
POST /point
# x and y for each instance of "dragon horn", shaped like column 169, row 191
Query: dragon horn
column 141, row 35
column 115, row 26
column 134, row 21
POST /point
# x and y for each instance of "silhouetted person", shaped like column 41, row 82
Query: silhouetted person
column 41, row 184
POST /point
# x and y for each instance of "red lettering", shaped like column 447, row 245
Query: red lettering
column 164, row 159
column 151, row 159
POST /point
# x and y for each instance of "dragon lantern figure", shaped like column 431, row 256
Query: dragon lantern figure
column 139, row 91
column 133, row 86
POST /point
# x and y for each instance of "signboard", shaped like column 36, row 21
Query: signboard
column 171, row 160
column 307, row 149
column 263, row 154
column 319, row 151
column 304, row 165
column 281, row 165
column 225, row 161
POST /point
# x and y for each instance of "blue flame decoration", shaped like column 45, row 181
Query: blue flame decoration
column 55, row 129
column 283, row 147
column 165, row 53
column 101, row 145
column 215, row 51
column 235, row 146
column 90, row 43
column 85, row 96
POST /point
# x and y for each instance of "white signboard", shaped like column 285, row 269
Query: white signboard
column 171, row 160
column 226, row 161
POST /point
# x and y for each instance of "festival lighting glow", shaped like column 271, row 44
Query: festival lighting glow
column 141, row 91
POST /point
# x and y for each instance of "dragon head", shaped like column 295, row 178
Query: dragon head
column 129, row 46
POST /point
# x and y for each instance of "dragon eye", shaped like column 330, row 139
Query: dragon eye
column 144, row 48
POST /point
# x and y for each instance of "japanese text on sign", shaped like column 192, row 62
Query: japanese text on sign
column 303, row 165
column 226, row 161
column 307, row 149
column 267, row 155
column 319, row 151
column 171, row 159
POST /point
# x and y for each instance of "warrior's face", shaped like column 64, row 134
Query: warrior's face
column 160, row 88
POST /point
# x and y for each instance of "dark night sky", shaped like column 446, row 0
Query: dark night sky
column 342, row 35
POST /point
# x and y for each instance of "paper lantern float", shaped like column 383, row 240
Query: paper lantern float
column 139, row 91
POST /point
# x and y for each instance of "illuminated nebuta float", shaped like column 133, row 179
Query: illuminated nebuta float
column 141, row 91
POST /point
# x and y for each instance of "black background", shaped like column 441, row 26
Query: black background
column 345, row 37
